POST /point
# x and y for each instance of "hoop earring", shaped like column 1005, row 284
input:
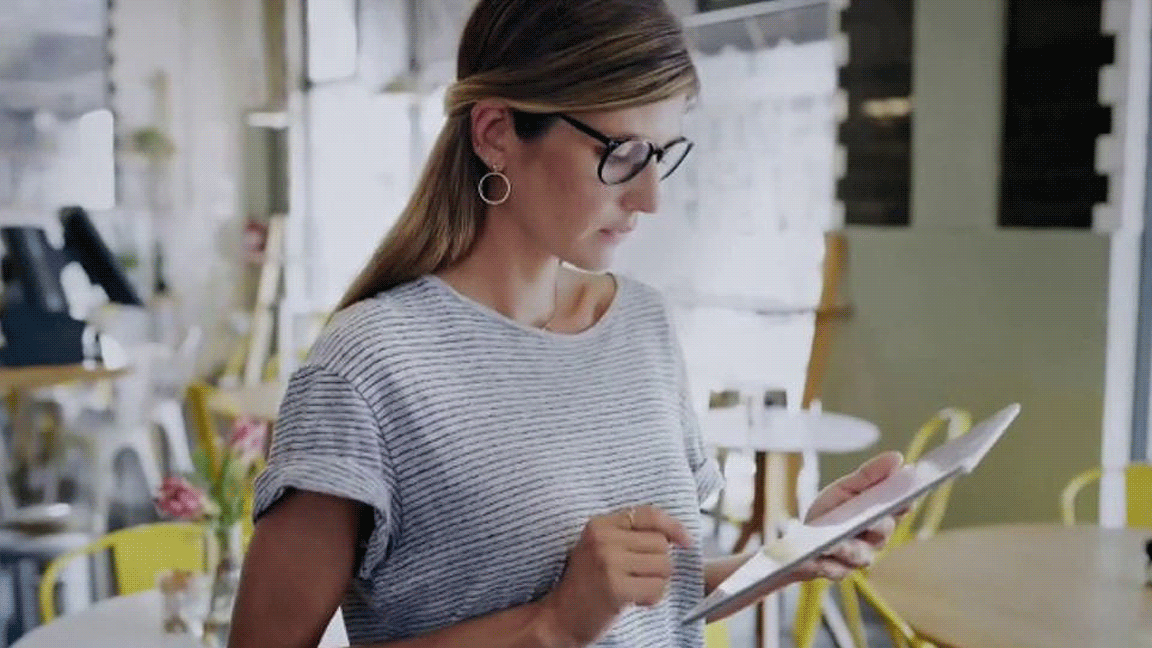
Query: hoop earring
column 507, row 188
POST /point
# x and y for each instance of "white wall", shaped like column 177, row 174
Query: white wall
column 953, row 311
column 979, row 319
column 203, row 48
column 442, row 21
column 366, row 152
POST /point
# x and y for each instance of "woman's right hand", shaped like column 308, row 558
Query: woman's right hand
column 621, row 559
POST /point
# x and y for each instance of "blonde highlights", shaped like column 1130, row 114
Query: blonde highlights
column 537, row 56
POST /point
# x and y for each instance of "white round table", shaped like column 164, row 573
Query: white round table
column 131, row 621
column 776, row 432
column 781, row 430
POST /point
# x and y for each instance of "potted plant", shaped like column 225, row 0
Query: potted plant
column 214, row 495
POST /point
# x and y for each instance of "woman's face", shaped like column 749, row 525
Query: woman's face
column 559, row 203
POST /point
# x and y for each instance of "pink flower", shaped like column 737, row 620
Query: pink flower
column 181, row 500
column 248, row 437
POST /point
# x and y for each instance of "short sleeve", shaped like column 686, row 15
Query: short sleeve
column 709, row 479
column 327, row 440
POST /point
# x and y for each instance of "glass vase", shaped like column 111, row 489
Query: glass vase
column 223, row 555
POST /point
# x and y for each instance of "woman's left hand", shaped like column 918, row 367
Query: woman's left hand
column 858, row 552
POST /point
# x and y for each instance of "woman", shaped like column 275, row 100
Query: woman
column 487, row 447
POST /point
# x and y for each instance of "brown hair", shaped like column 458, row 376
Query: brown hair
column 539, row 57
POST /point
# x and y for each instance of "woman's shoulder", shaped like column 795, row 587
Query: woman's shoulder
column 390, row 320
column 641, row 288
column 641, row 298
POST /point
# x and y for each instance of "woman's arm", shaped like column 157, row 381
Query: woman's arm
column 301, row 561
column 717, row 569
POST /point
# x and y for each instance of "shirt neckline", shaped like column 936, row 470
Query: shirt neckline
column 495, row 315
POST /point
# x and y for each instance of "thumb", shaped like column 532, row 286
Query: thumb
column 872, row 472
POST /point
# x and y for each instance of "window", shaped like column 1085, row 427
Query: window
column 1052, row 114
column 877, row 133
column 712, row 5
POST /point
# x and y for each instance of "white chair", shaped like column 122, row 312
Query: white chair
column 142, row 404
column 102, row 439
column 171, row 374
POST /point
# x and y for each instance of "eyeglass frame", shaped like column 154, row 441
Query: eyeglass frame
column 613, row 143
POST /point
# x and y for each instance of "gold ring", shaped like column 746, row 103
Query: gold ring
column 631, row 518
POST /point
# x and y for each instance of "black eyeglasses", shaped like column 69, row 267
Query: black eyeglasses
column 625, row 158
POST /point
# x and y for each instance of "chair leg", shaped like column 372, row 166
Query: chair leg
column 103, row 485
column 755, row 523
column 722, row 461
column 140, row 441
column 852, row 614
column 898, row 639
column 809, row 610
column 842, row 635
column 902, row 633
column 168, row 416
column 716, row 635
column 104, row 446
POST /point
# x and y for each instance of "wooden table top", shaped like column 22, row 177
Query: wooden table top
column 1023, row 586
column 39, row 376
column 260, row 401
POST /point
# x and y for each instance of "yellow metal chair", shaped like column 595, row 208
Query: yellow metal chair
column 208, row 438
column 197, row 394
column 928, row 512
column 139, row 554
column 716, row 635
column 1138, row 490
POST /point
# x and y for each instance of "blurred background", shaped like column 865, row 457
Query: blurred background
column 893, row 207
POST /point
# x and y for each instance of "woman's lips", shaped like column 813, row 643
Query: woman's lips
column 615, row 235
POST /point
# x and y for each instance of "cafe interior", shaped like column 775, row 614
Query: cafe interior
column 898, row 218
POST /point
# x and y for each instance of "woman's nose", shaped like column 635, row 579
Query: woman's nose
column 643, row 191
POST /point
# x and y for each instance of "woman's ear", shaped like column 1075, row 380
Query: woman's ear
column 493, row 133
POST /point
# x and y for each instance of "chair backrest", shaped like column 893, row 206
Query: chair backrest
column 197, row 395
column 929, row 511
column 1137, row 489
column 139, row 554
column 207, row 439
column 829, row 311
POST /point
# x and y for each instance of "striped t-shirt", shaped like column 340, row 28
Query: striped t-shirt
column 484, row 446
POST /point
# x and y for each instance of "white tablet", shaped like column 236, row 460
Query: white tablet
column 803, row 541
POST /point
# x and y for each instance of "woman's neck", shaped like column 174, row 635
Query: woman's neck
column 511, row 278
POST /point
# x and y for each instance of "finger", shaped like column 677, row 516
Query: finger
column 879, row 533
column 832, row 569
column 873, row 539
column 650, row 518
column 870, row 473
column 646, row 542
column 645, row 565
column 625, row 518
column 852, row 553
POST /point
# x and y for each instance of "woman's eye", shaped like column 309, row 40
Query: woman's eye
column 629, row 152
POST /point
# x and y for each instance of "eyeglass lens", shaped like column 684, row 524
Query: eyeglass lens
column 630, row 157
